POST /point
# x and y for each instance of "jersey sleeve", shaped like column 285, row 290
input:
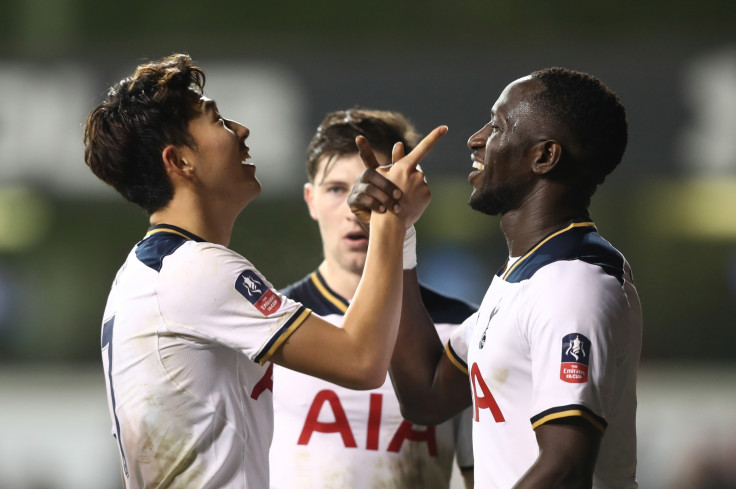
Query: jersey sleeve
column 457, row 347
column 210, row 293
column 575, row 318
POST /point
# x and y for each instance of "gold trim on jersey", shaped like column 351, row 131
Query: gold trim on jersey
column 455, row 360
column 168, row 230
column 285, row 335
column 327, row 294
column 569, row 413
column 530, row 252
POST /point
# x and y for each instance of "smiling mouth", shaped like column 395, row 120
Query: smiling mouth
column 478, row 165
column 245, row 152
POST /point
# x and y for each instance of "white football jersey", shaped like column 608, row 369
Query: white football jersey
column 558, row 334
column 187, row 332
column 327, row 436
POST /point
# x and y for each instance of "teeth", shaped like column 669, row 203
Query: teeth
column 478, row 165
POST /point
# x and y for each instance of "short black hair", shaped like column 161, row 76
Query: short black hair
column 591, row 112
column 143, row 113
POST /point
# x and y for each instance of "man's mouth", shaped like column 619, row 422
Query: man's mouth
column 356, row 236
column 246, row 156
column 478, row 167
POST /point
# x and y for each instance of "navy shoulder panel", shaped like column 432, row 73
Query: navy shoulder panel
column 314, row 293
column 576, row 243
column 161, row 241
column 153, row 249
column 444, row 309
column 295, row 290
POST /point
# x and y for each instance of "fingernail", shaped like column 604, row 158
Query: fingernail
column 381, row 209
column 397, row 194
column 397, row 208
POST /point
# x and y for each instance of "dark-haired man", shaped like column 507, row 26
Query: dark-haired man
column 327, row 434
column 549, row 361
column 191, row 327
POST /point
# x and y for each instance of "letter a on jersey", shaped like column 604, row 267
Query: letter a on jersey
column 575, row 358
column 252, row 287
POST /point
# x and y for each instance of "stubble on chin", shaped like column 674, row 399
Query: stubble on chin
column 486, row 202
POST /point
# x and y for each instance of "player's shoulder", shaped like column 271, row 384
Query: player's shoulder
column 564, row 250
column 166, row 243
column 157, row 246
column 445, row 309
column 298, row 289
column 313, row 292
column 186, row 263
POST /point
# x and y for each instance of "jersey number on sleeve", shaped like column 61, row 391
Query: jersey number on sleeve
column 485, row 400
column 107, row 366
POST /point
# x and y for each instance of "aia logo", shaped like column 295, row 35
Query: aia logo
column 251, row 286
column 263, row 385
column 327, row 400
column 482, row 397
column 575, row 358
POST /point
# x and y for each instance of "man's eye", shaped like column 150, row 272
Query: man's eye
column 335, row 190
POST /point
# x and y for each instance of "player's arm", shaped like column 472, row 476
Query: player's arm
column 468, row 478
column 357, row 355
column 430, row 388
column 568, row 449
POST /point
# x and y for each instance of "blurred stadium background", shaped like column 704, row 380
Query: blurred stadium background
column 278, row 67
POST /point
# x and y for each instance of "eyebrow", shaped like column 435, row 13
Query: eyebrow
column 209, row 105
column 332, row 181
column 500, row 114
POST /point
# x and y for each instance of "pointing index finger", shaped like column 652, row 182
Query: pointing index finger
column 424, row 146
column 366, row 152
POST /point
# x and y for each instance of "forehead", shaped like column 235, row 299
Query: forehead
column 344, row 167
column 516, row 99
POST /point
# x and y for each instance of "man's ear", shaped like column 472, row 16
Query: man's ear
column 548, row 154
column 309, row 199
column 175, row 162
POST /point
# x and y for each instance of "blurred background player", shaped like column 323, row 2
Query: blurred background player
column 190, row 326
column 330, row 436
column 553, row 352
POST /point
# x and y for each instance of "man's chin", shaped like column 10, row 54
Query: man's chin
column 356, row 269
column 355, row 264
column 485, row 206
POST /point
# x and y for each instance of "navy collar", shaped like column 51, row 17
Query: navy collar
column 168, row 228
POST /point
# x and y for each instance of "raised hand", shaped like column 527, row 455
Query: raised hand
column 400, row 187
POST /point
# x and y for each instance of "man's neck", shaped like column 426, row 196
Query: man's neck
column 526, row 226
column 342, row 281
column 196, row 220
